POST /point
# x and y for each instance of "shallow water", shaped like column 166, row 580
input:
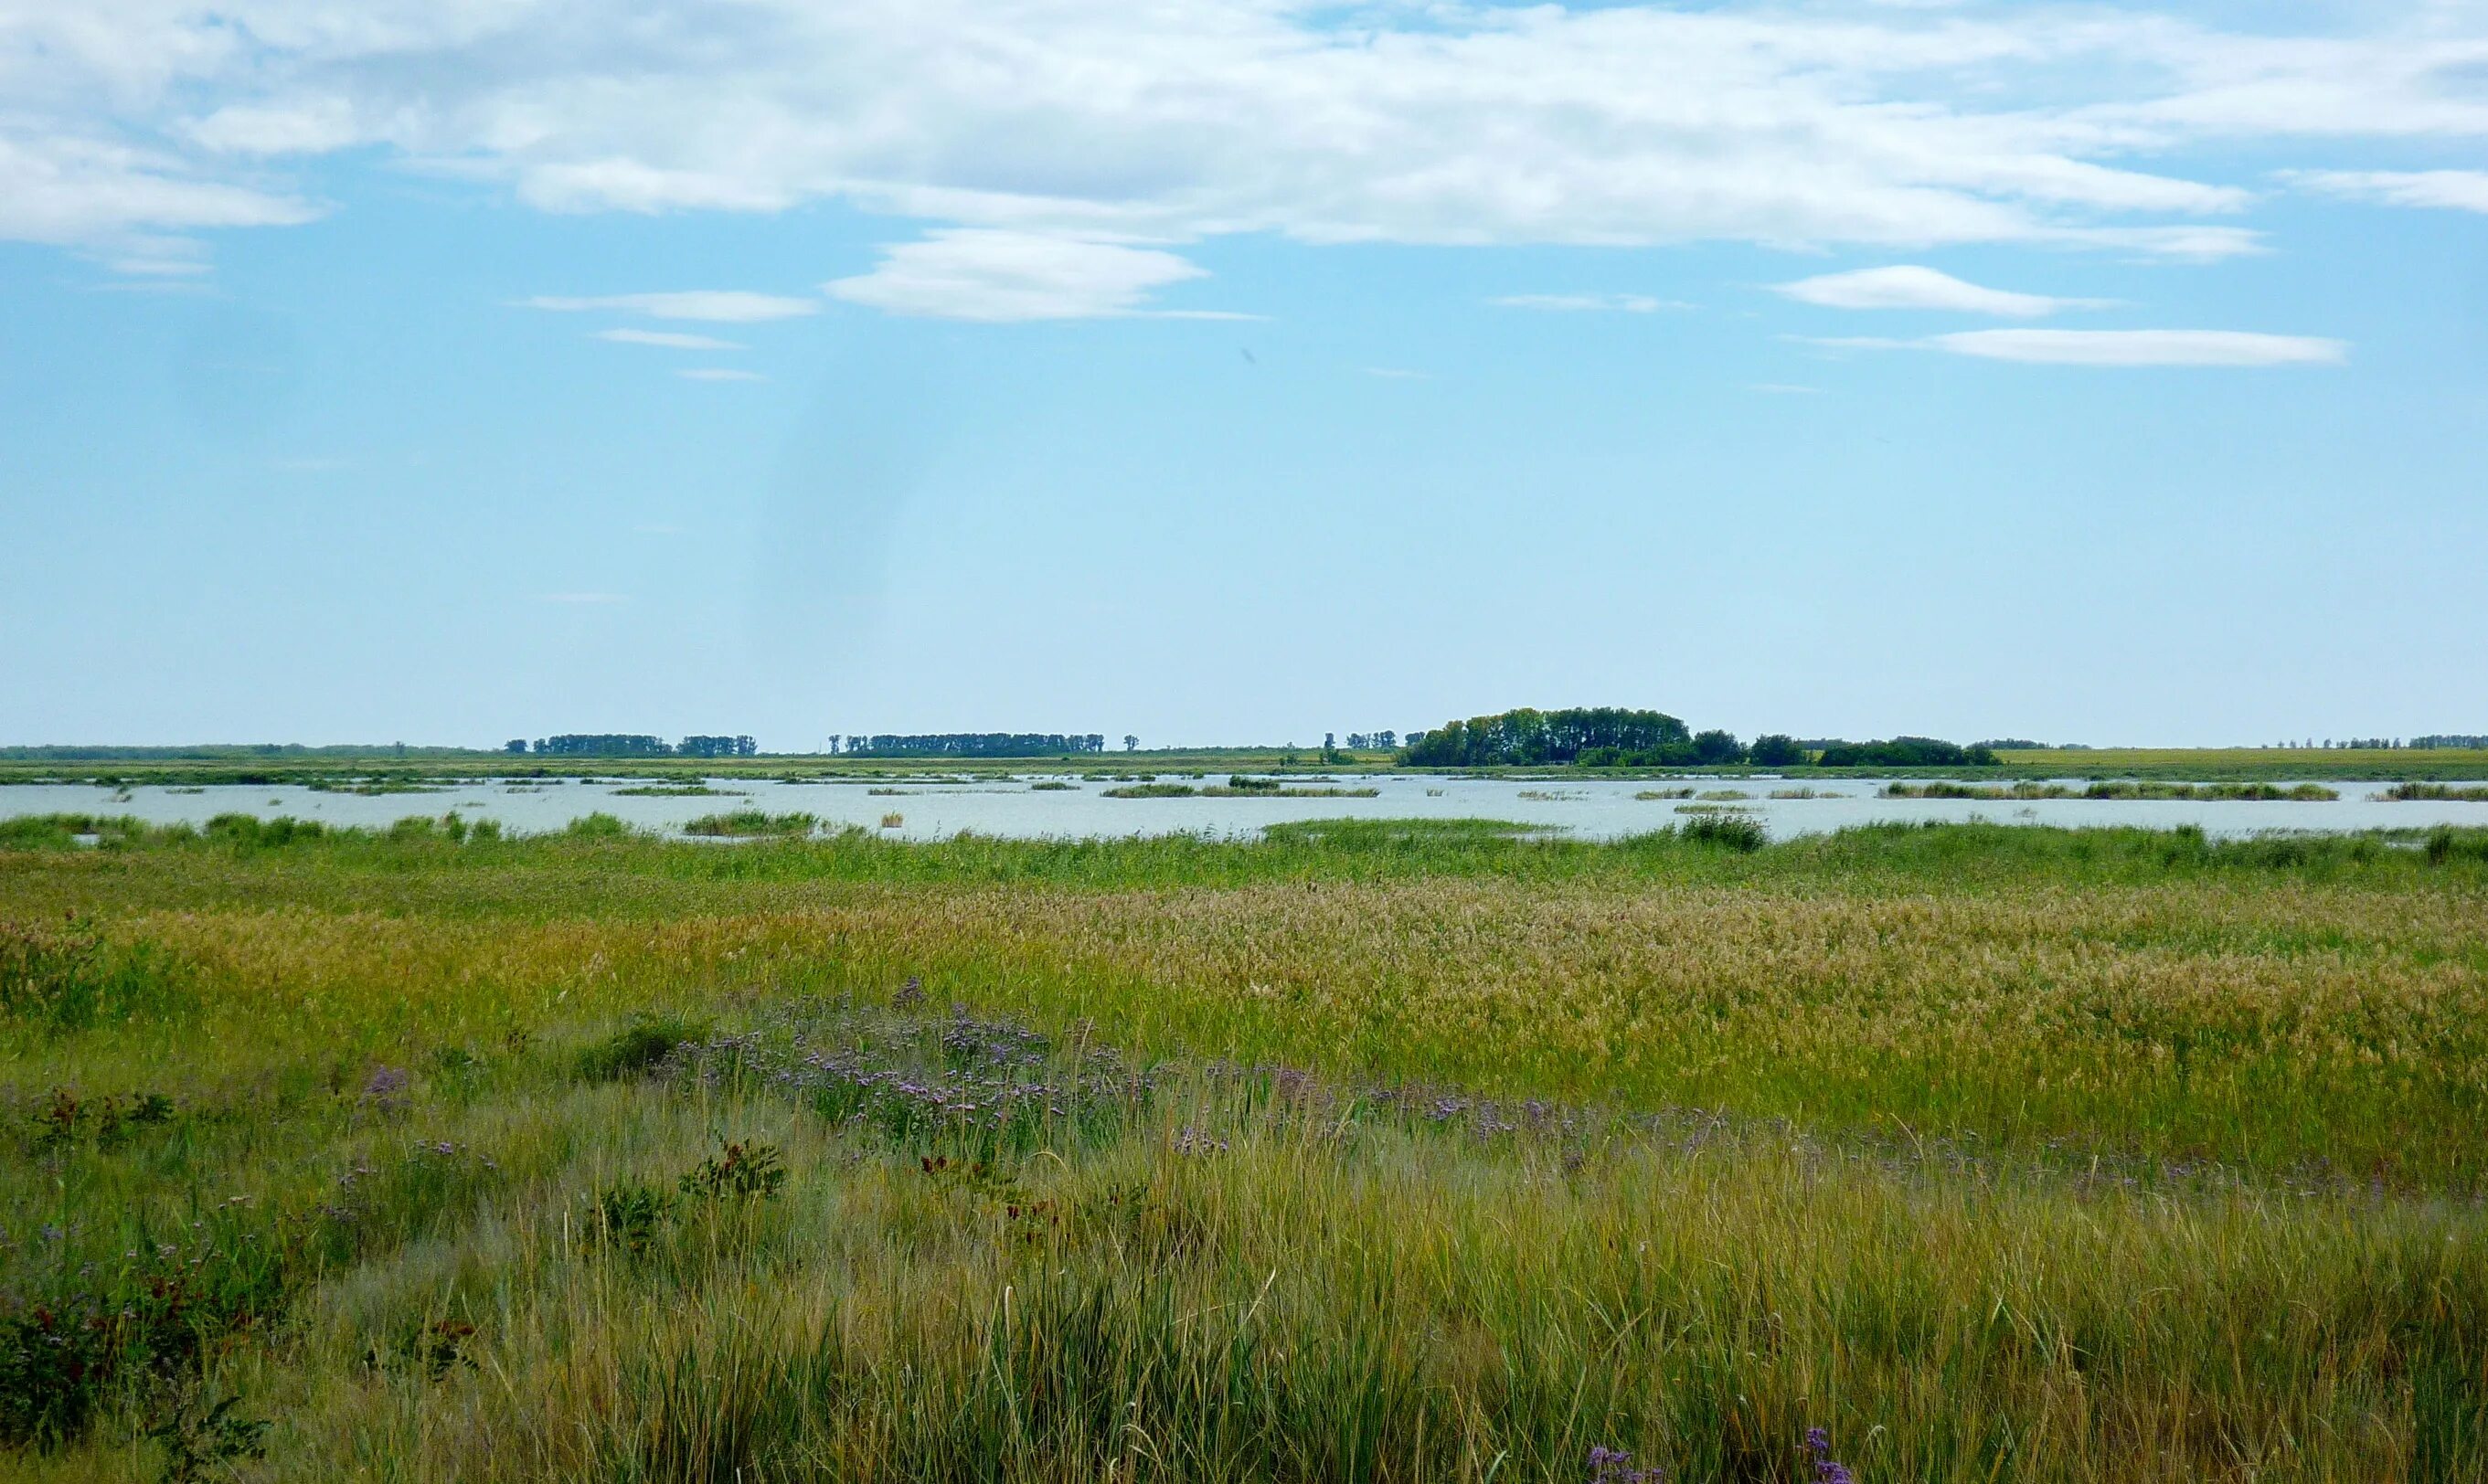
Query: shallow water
column 1600, row 809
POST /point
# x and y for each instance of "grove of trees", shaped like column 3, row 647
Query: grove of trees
column 1610, row 737
column 1528, row 736
column 975, row 744
column 631, row 745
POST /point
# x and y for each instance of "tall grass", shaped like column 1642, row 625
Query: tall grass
column 1369, row 1150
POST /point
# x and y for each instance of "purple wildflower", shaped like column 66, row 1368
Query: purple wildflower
column 1826, row 1469
column 1614, row 1465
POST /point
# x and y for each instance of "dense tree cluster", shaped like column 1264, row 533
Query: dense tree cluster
column 975, row 744
column 1528, row 736
column 2451, row 739
column 1608, row 736
column 1372, row 742
column 1905, row 752
column 602, row 745
column 631, row 745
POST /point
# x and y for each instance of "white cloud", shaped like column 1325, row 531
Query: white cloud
column 2459, row 190
column 983, row 273
column 719, row 374
column 723, row 306
column 673, row 340
column 1910, row 287
column 1625, row 303
column 127, row 204
column 2144, row 348
column 1096, row 122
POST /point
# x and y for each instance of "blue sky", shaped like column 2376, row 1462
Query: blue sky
column 1240, row 370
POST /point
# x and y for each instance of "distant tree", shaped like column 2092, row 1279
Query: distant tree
column 1716, row 749
column 1131, row 743
column 1776, row 749
column 515, row 744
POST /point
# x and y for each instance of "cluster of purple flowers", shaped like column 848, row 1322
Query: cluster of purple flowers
column 991, row 1078
column 1826, row 1469
column 1614, row 1465
column 1189, row 1141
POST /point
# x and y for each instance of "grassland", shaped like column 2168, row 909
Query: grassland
column 1369, row 1150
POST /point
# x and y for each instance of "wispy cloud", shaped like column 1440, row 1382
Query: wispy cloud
column 2459, row 190
column 722, row 306
column 1589, row 303
column 2112, row 348
column 672, row 340
column 718, row 374
column 1908, row 286
column 994, row 275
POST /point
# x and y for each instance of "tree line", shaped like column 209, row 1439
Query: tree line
column 630, row 745
column 972, row 744
column 1613, row 736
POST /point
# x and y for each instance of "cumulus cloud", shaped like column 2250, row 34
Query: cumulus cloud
column 1910, row 287
column 723, row 306
column 2459, row 190
column 1094, row 122
column 1587, row 303
column 672, row 340
column 990, row 274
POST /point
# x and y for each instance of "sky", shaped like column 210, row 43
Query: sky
column 1237, row 371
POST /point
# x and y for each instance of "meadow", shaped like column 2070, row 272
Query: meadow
column 1366, row 1149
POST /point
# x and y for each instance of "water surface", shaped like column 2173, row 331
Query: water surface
column 1597, row 809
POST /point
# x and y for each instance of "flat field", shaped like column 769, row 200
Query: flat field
column 1368, row 1151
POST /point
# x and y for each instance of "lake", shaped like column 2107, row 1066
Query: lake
column 935, row 807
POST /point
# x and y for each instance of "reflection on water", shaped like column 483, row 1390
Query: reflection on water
column 1597, row 809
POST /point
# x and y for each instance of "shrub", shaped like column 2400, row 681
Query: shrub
column 639, row 1045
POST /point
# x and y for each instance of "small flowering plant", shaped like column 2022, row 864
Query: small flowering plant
column 1826, row 1469
column 1614, row 1465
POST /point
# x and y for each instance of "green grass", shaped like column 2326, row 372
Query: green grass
column 1368, row 1149
column 2407, row 791
column 750, row 822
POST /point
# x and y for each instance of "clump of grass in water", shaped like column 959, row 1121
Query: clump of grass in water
column 2303, row 792
column 678, row 790
column 749, row 823
column 2446, row 792
column 893, row 821
column 1647, row 795
column 1261, row 788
